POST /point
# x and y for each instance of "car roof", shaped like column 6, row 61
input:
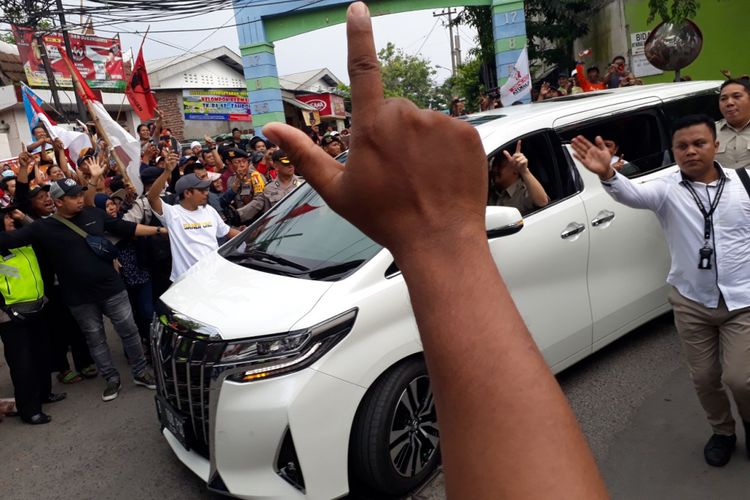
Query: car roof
column 493, row 125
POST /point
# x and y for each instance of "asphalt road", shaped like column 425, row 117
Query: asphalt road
column 633, row 399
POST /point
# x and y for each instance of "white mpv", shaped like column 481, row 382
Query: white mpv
column 289, row 363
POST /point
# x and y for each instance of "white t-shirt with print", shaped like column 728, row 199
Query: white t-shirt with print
column 192, row 234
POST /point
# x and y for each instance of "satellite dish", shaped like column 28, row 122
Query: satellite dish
column 671, row 47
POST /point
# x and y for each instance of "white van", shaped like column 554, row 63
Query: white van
column 289, row 363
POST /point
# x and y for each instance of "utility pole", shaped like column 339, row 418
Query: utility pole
column 458, row 48
column 450, row 13
column 48, row 70
column 66, row 38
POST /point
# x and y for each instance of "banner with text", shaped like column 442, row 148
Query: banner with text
column 221, row 105
column 518, row 86
column 98, row 59
column 326, row 104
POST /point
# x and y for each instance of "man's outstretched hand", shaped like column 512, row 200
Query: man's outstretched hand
column 595, row 157
column 396, row 186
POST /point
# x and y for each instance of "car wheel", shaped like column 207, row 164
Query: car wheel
column 395, row 438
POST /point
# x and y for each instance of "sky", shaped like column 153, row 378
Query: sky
column 414, row 32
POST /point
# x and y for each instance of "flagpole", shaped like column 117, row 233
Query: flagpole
column 99, row 128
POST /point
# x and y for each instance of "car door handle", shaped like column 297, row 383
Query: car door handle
column 603, row 217
column 573, row 229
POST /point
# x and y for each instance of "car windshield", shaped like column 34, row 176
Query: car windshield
column 302, row 237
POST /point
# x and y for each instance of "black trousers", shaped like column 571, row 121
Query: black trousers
column 27, row 352
column 65, row 334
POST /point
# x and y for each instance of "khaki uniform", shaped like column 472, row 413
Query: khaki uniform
column 271, row 195
column 516, row 195
column 734, row 146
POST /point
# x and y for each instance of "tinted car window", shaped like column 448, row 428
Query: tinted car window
column 302, row 237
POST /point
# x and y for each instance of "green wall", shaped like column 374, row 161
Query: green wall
column 724, row 24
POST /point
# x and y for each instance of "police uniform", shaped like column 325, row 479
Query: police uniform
column 255, row 183
column 271, row 195
column 734, row 145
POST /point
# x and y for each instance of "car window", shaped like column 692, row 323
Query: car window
column 638, row 139
column 706, row 103
column 547, row 165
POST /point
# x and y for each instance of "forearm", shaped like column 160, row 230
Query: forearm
column 536, row 190
column 251, row 209
column 476, row 358
column 154, row 193
column 90, row 194
column 627, row 192
column 142, row 230
column 31, row 147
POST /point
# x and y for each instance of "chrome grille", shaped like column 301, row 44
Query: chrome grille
column 184, row 364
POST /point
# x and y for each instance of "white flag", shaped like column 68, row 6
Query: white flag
column 74, row 142
column 518, row 85
column 125, row 146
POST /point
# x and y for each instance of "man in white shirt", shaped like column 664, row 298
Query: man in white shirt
column 704, row 210
column 195, row 224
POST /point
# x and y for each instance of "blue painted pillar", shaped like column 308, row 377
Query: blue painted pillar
column 261, row 75
column 509, row 28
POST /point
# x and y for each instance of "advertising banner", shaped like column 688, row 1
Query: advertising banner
column 326, row 104
column 221, row 105
column 98, row 59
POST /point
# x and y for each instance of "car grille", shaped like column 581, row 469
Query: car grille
column 184, row 365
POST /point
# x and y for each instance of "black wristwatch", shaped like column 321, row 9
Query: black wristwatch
column 158, row 231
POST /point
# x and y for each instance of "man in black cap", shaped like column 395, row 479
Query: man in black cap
column 275, row 190
column 90, row 285
column 332, row 145
column 194, row 226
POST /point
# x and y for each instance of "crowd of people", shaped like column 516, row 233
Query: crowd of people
column 122, row 248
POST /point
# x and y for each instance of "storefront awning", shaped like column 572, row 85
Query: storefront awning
column 297, row 104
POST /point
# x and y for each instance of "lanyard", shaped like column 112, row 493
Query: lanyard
column 707, row 215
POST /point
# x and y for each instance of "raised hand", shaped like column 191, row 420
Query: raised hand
column 171, row 161
column 518, row 160
column 95, row 167
column 619, row 163
column 411, row 212
column 595, row 157
column 25, row 158
column 58, row 145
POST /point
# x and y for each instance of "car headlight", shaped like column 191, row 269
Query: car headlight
column 276, row 355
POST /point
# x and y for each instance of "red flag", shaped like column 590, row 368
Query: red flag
column 84, row 90
column 138, row 90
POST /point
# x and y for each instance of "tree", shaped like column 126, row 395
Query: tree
column 465, row 83
column 406, row 75
column 42, row 25
column 551, row 28
column 679, row 11
column 26, row 12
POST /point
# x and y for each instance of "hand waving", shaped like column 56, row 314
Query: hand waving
column 595, row 157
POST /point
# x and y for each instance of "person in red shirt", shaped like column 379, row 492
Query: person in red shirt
column 265, row 164
column 591, row 81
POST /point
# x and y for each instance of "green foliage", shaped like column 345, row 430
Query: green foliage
column 551, row 26
column 679, row 11
column 466, row 83
column 26, row 12
column 7, row 37
column 406, row 75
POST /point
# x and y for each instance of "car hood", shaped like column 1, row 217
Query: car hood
column 241, row 302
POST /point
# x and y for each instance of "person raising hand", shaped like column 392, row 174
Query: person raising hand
column 508, row 435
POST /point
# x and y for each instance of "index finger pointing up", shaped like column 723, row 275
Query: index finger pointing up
column 518, row 146
column 364, row 69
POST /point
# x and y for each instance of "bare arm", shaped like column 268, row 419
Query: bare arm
column 509, row 435
column 536, row 191
column 143, row 230
column 154, row 194
column 215, row 152
column 157, row 126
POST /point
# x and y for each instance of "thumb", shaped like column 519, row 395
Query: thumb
column 317, row 166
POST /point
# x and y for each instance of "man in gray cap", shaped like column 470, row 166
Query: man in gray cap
column 194, row 226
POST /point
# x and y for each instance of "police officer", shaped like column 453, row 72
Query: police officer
column 246, row 183
column 25, row 337
column 275, row 190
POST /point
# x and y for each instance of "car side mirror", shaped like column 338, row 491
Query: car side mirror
column 502, row 221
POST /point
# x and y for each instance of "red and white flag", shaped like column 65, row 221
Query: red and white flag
column 73, row 141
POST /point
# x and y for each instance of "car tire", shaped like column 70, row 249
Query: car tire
column 395, row 438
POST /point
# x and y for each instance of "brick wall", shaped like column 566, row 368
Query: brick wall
column 170, row 103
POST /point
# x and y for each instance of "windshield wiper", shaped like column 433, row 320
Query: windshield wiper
column 265, row 256
column 331, row 271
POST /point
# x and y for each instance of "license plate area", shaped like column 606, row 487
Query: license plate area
column 174, row 421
